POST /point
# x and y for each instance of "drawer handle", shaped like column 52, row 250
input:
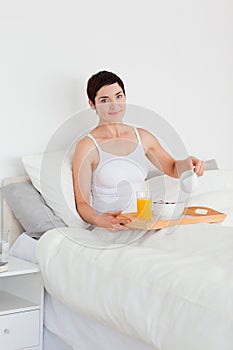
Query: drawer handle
column 6, row 331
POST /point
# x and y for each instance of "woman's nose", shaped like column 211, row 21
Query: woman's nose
column 113, row 105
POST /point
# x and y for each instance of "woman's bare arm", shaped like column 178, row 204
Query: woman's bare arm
column 82, row 167
column 164, row 161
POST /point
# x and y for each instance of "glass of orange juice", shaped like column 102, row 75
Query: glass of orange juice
column 144, row 205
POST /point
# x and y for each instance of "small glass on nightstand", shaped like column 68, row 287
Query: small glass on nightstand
column 4, row 251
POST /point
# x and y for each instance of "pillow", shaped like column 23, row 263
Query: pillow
column 211, row 164
column 24, row 248
column 215, row 180
column 30, row 208
column 51, row 174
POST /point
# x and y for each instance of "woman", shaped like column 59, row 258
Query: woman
column 109, row 164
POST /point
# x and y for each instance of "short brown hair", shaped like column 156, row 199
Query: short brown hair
column 100, row 79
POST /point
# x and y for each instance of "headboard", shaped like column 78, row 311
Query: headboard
column 9, row 222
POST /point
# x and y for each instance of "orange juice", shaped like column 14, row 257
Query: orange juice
column 144, row 208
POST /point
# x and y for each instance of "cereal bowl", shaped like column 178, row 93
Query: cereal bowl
column 168, row 210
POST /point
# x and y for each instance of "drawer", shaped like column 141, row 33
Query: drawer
column 20, row 330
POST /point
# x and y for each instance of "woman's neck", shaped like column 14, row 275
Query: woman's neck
column 113, row 130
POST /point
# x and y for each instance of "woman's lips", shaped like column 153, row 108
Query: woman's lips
column 113, row 113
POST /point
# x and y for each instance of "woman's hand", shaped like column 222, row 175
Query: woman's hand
column 110, row 221
column 198, row 166
column 190, row 163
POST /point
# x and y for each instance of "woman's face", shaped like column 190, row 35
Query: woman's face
column 110, row 103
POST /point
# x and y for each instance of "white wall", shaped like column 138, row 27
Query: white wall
column 175, row 57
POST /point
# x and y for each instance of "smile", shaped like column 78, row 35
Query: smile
column 114, row 113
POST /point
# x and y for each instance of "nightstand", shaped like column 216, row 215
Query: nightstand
column 21, row 306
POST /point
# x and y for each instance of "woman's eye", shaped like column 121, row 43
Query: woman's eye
column 119, row 96
column 104, row 100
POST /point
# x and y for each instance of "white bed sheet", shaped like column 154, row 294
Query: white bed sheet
column 53, row 342
column 85, row 333
column 173, row 292
column 74, row 330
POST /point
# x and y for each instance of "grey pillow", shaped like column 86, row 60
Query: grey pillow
column 211, row 164
column 30, row 208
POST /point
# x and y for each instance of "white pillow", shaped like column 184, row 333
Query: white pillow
column 215, row 180
column 51, row 175
column 24, row 248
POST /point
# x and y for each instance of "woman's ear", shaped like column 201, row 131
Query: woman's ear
column 91, row 104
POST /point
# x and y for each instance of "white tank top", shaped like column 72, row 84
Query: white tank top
column 117, row 178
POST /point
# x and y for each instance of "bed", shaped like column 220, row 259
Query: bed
column 74, row 330
column 170, row 290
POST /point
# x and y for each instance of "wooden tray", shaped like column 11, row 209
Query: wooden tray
column 191, row 215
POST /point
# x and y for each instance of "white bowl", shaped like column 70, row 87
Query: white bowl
column 168, row 210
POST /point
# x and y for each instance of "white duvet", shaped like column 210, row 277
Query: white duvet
column 173, row 291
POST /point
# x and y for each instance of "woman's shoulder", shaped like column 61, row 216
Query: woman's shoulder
column 148, row 139
column 85, row 144
column 144, row 132
column 85, row 150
